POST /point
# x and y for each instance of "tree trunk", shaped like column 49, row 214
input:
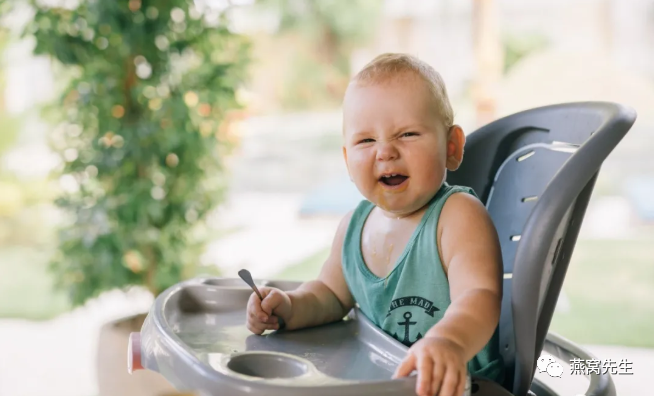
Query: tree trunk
column 489, row 59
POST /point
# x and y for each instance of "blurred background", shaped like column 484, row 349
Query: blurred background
column 144, row 142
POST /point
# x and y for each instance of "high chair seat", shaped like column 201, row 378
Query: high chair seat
column 535, row 171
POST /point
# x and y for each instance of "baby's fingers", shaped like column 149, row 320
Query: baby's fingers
column 406, row 367
column 450, row 383
column 255, row 317
column 271, row 300
column 272, row 319
column 258, row 327
column 255, row 310
column 437, row 378
column 462, row 383
column 425, row 371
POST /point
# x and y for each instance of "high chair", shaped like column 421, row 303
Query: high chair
column 534, row 171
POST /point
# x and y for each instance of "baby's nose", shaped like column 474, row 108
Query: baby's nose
column 387, row 152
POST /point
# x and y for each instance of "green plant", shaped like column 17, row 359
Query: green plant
column 9, row 125
column 141, row 132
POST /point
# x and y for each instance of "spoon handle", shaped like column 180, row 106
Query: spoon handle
column 247, row 277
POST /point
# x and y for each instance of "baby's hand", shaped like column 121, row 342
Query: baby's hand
column 260, row 313
column 440, row 364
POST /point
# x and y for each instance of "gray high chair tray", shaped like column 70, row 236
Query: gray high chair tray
column 195, row 336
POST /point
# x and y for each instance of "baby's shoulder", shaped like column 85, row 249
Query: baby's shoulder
column 460, row 208
column 464, row 223
column 342, row 228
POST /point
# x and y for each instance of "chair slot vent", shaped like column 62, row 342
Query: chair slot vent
column 515, row 238
column 556, row 251
column 558, row 143
column 529, row 199
column 564, row 147
column 525, row 156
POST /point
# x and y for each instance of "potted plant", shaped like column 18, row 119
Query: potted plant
column 140, row 127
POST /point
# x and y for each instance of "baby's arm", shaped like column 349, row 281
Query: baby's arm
column 324, row 300
column 470, row 251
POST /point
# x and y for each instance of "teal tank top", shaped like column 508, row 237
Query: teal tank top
column 415, row 294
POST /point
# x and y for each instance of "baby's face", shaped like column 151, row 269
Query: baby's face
column 396, row 147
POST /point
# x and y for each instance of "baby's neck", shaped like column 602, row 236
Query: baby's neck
column 401, row 216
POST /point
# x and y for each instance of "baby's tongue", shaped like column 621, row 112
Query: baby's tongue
column 394, row 180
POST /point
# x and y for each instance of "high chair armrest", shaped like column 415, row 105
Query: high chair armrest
column 559, row 347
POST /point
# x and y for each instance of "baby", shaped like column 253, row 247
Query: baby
column 421, row 258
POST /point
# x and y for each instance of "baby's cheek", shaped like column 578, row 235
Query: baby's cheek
column 364, row 182
column 362, row 171
column 434, row 166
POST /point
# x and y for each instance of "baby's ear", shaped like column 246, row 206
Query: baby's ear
column 456, row 140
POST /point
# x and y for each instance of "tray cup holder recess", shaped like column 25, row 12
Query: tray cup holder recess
column 267, row 365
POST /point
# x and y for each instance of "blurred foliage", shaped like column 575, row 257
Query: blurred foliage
column 25, row 211
column 518, row 46
column 142, row 131
column 15, row 197
column 306, row 269
column 8, row 125
column 26, row 290
column 329, row 30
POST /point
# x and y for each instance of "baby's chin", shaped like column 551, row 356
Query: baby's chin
column 399, row 204
column 395, row 206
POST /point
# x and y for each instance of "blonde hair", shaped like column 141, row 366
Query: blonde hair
column 389, row 65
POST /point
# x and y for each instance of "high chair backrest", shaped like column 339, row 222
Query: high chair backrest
column 535, row 171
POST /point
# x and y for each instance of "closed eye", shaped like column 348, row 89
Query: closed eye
column 408, row 134
column 366, row 140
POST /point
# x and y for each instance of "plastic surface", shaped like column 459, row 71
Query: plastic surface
column 195, row 336
column 134, row 353
column 559, row 347
column 535, row 171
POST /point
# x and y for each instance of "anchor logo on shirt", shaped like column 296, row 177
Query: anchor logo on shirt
column 407, row 323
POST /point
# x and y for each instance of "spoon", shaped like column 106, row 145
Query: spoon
column 247, row 277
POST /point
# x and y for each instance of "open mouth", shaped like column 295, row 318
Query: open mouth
column 393, row 179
